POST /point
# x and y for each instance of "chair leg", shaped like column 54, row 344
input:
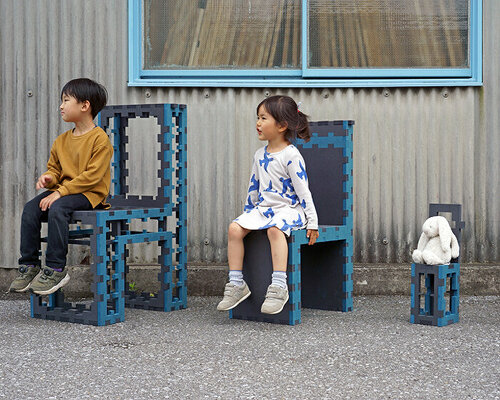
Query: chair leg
column 326, row 277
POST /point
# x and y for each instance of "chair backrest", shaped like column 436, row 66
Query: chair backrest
column 455, row 210
column 172, row 119
column 328, row 158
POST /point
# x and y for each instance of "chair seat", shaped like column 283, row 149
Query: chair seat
column 327, row 233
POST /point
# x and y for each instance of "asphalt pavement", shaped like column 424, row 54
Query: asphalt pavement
column 198, row 353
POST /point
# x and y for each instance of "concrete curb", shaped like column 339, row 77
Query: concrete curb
column 209, row 280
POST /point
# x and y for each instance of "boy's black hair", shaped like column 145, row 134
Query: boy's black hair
column 286, row 112
column 86, row 89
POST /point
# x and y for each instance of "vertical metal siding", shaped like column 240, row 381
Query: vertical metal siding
column 486, row 212
column 412, row 146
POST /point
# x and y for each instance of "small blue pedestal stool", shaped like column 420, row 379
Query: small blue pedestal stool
column 431, row 285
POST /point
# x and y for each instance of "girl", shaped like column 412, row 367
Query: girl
column 278, row 200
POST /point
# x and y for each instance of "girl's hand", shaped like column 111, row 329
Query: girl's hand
column 46, row 202
column 312, row 234
column 43, row 181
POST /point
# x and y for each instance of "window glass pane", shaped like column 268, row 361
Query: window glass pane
column 388, row 33
column 221, row 34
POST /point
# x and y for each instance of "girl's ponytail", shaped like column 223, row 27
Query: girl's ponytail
column 302, row 129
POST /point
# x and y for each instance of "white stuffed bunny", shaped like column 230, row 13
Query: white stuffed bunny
column 437, row 244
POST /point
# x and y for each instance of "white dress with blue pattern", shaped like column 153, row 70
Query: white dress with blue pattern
column 278, row 193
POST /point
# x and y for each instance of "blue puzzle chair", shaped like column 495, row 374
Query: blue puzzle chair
column 319, row 276
column 110, row 231
column 431, row 285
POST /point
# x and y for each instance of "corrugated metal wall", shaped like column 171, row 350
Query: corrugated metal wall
column 411, row 146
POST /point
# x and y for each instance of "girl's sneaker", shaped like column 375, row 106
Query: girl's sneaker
column 49, row 281
column 276, row 298
column 233, row 295
column 27, row 273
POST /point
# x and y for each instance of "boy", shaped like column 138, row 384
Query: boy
column 78, row 177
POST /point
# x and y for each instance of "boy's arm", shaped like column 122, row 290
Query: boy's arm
column 96, row 169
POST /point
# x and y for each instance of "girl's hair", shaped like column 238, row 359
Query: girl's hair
column 83, row 89
column 286, row 112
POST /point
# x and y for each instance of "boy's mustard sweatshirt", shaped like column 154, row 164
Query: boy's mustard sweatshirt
column 81, row 164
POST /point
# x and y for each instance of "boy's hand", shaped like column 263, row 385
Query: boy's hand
column 46, row 202
column 43, row 181
column 312, row 234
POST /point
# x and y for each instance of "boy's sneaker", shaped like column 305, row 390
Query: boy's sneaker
column 49, row 281
column 233, row 295
column 276, row 298
column 27, row 273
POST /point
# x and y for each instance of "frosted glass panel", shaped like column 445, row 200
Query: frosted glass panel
column 221, row 34
column 388, row 33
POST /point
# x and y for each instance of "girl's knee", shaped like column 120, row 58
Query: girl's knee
column 274, row 233
column 235, row 231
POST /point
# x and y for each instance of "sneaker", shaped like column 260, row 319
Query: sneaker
column 276, row 298
column 27, row 273
column 49, row 281
column 233, row 295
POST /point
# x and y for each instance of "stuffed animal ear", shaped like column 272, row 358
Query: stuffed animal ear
column 455, row 248
column 445, row 233
column 422, row 242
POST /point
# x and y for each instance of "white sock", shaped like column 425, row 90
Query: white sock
column 279, row 279
column 236, row 277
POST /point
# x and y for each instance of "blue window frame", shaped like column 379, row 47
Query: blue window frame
column 303, row 73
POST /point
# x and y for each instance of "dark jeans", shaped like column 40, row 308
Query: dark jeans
column 58, row 217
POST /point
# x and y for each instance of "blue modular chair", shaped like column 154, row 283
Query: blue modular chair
column 319, row 276
column 110, row 234
column 435, row 289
